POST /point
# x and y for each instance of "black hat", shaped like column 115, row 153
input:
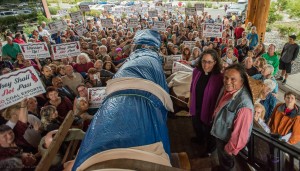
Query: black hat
column 293, row 36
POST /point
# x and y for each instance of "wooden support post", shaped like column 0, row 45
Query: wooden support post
column 59, row 137
column 257, row 14
column 46, row 9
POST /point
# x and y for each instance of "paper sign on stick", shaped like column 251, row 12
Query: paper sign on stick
column 33, row 50
column 96, row 96
column 65, row 50
column 18, row 85
column 212, row 30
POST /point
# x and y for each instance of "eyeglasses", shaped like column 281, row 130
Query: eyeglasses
column 207, row 62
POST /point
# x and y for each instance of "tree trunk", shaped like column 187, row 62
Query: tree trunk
column 257, row 14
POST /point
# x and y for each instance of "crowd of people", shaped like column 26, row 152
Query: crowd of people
column 220, row 99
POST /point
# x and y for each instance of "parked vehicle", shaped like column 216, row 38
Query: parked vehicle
column 238, row 9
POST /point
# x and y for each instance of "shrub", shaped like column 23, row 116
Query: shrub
column 268, row 29
column 189, row 5
column 40, row 18
column 273, row 14
column 93, row 13
column 208, row 5
column 293, row 8
column 282, row 4
column 53, row 10
column 215, row 7
column 286, row 30
column 28, row 28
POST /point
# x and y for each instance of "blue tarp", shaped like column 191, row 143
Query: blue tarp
column 130, row 118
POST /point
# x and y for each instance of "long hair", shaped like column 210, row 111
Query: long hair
column 113, row 67
column 46, row 113
column 217, row 67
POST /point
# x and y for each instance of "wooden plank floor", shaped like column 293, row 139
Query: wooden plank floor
column 180, row 132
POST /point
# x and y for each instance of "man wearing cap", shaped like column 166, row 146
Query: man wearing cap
column 233, row 116
column 288, row 55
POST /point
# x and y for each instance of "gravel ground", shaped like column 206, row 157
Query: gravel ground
column 275, row 38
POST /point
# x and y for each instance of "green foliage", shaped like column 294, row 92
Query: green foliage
column 27, row 28
column 286, row 29
column 53, row 10
column 93, row 13
column 189, row 4
column 294, row 8
column 73, row 9
column 215, row 7
column 282, row 4
column 208, row 5
column 40, row 18
column 273, row 14
column 12, row 22
column 268, row 29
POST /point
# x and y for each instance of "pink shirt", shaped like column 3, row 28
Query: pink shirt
column 241, row 125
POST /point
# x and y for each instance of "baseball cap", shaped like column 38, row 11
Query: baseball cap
column 293, row 36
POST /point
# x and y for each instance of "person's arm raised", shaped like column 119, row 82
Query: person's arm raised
column 23, row 116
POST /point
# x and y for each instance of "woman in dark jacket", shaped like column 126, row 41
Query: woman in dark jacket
column 207, row 82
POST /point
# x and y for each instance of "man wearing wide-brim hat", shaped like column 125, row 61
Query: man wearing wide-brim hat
column 233, row 116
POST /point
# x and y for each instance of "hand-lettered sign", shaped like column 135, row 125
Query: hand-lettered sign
column 18, row 85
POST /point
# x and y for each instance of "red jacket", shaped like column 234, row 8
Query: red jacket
column 238, row 31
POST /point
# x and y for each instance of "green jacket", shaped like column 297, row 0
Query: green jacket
column 272, row 60
column 11, row 51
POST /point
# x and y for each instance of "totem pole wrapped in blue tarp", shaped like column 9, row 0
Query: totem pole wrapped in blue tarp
column 134, row 113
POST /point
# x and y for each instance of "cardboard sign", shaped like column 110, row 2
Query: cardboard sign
column 168, row 7
column 108, row 23
column 18, row 85
column 212, row 30
column 76, row 16
column 159, row 25
column 199, row 7
column 170, row 59
column 190, row 44
column 133, row 22
column 153, row 13
column 190, row 11
column 57, row 26
column 32, row 50
column 62, row 12
column 65, row 50
column 80, row 30
column 96, row 96
column 84, row 8
column 177, row 66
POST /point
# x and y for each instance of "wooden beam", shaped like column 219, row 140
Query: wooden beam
column 257, row 14
column 59, row 137
column 46, row 9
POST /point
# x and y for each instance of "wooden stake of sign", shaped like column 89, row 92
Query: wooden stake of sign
column 58, row 139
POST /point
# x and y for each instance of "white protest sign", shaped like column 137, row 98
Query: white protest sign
column 57, row 26
column 108, row 23
column 133, row 22
column 212, row 30
column 65, row 50
column 153, row 13
column 84, row 8
column 199, row 7
column 190, row 44
column 62, row 12
column 168, row 7
column 32, row 50
column 76, row 16
column 177, row 66
column 81, row 30
column 96, row 96
column 18, row 85
column 159, row 25
column 170, row 59
column 190, row 11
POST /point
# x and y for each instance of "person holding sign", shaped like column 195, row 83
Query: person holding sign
column 206, row 85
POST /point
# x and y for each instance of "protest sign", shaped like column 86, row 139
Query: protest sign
column 159, row 25
column 190, row 44
column 168, row 7
column 76, row 16
column 170, row 59
column 84, row 8
column 80, row 30
column 96, row 96
column 177, row 66
column 133, row 22
column 62, row 12
column 57, row 26
column 153, row 13
column 33, row 50
column 65, row 50
column 199, row 7
column 107, row 23
column 190, row 11
column 212, row 30
column 18, row 85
